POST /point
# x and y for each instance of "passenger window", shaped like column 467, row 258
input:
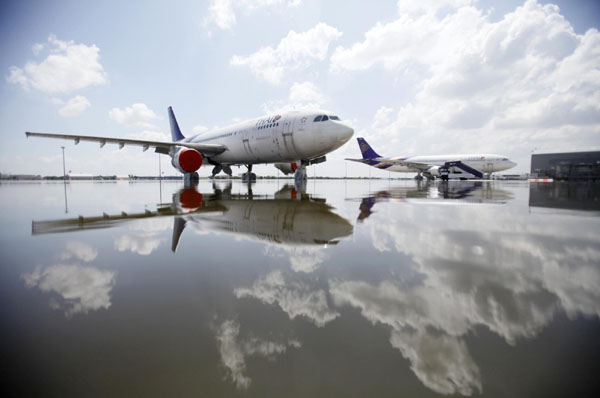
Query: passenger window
column 318, row 118
column 324, row 118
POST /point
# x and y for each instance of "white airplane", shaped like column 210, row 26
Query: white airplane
column 442, row 166
column 287, row 217
column 291, row 140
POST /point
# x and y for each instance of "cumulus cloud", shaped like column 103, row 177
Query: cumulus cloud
column 74, row 106
column 301, row 95
column 294, row 298
column 511, row 279
column 441, row 362
column 306, row 93
column 222, row 13
column 142, row 244
column 80, row 289
column 136, row 115
column 294, row 52
column 525, row 79
column 150, row 135
column 67, row 68
column 80, row 251
column 234, row 351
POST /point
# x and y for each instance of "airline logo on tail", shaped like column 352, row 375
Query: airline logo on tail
column 364, row 147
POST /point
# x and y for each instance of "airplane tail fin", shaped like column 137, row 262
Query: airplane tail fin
column 175, row 131
column 366, row 150
column 178, row 227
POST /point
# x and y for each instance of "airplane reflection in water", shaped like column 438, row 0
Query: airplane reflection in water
column 453, row 192
column 288, row 217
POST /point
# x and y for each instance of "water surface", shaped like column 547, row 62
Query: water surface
column 344, row 288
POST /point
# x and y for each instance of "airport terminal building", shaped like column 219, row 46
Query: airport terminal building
column 567, row 166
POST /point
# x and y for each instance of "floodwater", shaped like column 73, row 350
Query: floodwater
column 346, row 288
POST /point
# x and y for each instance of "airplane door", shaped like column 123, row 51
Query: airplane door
column 277, row 144
column 287, row 145
column 246, row 141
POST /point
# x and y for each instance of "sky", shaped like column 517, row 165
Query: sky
column 413, row 78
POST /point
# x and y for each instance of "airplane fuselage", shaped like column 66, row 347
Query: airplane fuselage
column 487, row 163
column 285, row 137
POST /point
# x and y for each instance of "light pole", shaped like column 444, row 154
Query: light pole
column 64, row 179
column 64, row 173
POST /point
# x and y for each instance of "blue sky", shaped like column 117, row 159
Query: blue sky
column 448, row 76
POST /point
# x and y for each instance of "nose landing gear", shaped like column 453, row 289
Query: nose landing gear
column 248, row 176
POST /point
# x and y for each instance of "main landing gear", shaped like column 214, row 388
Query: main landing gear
column 221, row 167
column 249, row 176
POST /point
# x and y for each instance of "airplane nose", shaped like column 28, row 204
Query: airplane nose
column 345, row 133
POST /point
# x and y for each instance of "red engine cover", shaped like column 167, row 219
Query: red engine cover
column 191, row 199
column 190, row 160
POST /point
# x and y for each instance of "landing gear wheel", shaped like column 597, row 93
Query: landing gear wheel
column 249, row 176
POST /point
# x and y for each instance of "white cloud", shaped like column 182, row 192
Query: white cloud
column 525, row 80
column 294, row 298
column 80, row 251
column 222, row 13
column 234, row 351
column 74, row 106
column 67, row 68
column 81, row 289
column 136, row 115
column 301, row 95
column 142, row 244
column 306, row 93
column 150, row 135
column 441, row 362
column 511, row 279
column 294, row 52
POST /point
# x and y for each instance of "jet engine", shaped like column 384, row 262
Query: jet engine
column 434, row 171
column 287, row 168
column 187, row 160
column 438, row 171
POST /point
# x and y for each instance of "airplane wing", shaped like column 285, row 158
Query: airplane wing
column 400, row 162
column 425, row 166
column 415, row 165
column 161, row 147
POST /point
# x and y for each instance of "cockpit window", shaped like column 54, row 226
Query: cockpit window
column 318, row 118
column 324, row 118
column 334, row 117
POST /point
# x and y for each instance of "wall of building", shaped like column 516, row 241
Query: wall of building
column 566, row 166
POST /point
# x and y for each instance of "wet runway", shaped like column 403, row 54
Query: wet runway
column 347, row 288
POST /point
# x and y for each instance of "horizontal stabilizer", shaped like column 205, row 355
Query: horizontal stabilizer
column 358, row 160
